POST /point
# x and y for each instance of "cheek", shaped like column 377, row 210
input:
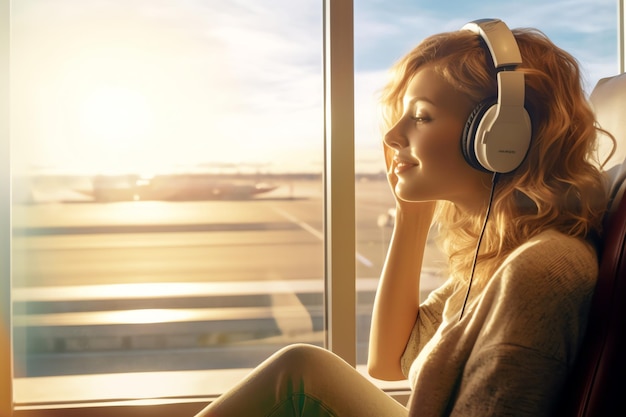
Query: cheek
column 442, row 151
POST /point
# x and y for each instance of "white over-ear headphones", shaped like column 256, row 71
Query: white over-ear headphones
column 498, row 131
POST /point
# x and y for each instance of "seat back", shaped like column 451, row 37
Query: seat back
column 596, row 386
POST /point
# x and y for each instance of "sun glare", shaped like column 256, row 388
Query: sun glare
column 116, row 117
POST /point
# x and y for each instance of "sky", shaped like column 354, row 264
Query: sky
column 104, row 86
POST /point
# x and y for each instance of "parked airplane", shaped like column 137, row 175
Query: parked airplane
column 174, row 187
column 131, row 187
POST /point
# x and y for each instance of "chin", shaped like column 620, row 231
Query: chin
column 413, row 196
column 410, row 197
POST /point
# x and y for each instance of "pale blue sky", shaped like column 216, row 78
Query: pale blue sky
column 119, row 85
column 384, row 30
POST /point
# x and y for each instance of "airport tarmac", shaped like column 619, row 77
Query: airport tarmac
column 83, row 272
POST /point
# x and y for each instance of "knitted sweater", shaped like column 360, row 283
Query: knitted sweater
column 510, row 353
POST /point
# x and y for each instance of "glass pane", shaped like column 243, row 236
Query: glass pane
column 386, row 31
column 167, row 161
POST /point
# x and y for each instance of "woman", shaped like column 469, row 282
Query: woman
column 500, row 335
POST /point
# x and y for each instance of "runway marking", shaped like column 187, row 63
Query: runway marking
column 362, row 259
column 300, row 223
column 176, row 289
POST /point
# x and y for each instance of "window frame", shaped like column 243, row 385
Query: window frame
column 339, row 218
column 621, row 35
column 6, row 360
column 339, row 180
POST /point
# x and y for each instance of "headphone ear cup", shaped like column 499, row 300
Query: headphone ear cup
column 468, row 138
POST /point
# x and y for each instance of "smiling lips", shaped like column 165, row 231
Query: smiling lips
column 402, row 165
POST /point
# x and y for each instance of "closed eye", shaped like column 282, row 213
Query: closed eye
column 420, row 119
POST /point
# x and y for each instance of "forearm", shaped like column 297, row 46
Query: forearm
column 397, row 298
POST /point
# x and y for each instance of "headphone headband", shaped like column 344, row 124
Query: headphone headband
column 499, row 39
column 497, row 134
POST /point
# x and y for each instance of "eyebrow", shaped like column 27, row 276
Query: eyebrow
column 413, row 100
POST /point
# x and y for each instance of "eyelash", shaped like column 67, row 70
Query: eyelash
column 419, row 119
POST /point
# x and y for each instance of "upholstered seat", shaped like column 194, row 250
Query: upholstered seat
column 597, row 386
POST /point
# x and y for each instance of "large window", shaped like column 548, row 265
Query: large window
column 167, row 163
column 179, row 172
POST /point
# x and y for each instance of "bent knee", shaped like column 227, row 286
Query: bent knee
column 302, row 355
column 301, row 351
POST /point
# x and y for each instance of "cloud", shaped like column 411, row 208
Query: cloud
column 236, row 80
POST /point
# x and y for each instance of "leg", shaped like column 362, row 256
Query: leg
column 304, row 380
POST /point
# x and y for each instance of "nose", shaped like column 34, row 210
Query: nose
column 395, row 137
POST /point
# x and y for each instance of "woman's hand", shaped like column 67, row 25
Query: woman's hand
column 397, row 297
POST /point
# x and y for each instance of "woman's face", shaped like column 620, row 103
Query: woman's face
column 427, row 159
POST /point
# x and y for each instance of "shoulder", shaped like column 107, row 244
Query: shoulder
column 552, row 259
column 554, row 244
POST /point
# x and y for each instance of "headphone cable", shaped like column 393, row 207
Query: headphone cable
column 494, row 181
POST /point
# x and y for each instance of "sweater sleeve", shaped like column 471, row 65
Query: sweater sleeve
column 429, row 317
